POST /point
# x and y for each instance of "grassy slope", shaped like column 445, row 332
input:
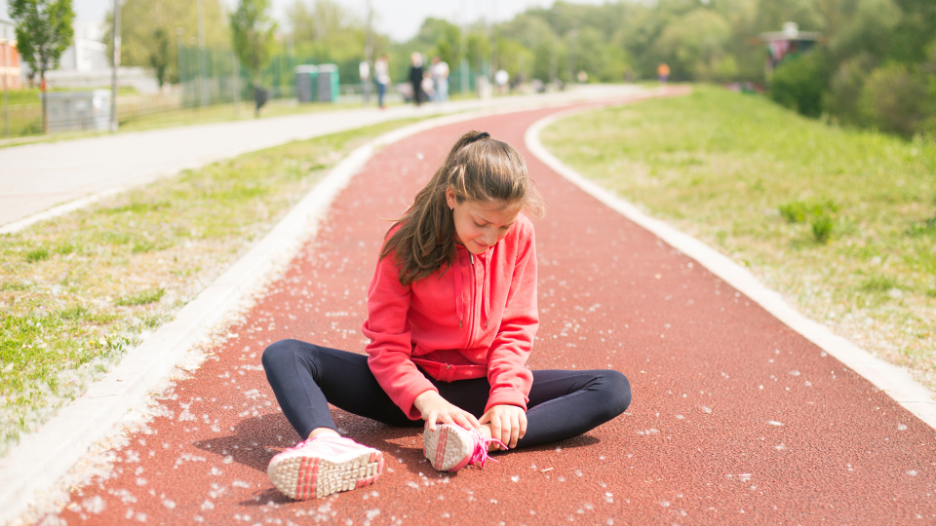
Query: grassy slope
column 736, row 171
column 78, row 290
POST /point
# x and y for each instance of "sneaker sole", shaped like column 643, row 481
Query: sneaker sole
column 303, row 477
column 446, row 449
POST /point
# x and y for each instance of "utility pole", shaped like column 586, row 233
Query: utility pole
column 553, row 56
column 368, row 53
column 573, row 41
column 464, row 50
column 6, row 95
column 493, row 38
column 116, row 42
column 202, row 87
column 235, row 85
column 180, row 62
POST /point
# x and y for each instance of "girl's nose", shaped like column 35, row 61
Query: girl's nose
column 490, row 239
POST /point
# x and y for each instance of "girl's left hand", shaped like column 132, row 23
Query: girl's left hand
column 508, row 423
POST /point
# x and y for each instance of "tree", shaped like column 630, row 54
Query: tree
column 253, row 33
column 43, row 32
column 153, row 20
column 159, row 55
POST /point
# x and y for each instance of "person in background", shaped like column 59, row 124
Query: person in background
column 440, row 74
column 427, row 86
column 382, row 77
column 416, row 77
column 663, row 72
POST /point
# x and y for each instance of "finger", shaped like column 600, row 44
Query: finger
column 472, row 420
column 514, row 430
column 462, row 420
column 523, row 424
column 432, row 420
column 505, row 429
column 495, row 427
column 447, row 418
column 485, row 418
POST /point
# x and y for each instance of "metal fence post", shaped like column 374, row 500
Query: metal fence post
column 114, row 123
column 235, row 85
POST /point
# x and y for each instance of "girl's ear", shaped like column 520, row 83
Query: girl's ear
column 450, row 199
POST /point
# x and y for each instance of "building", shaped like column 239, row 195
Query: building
column 88, row 51
column 86, row 66
column 11, row 74
column 788, row 42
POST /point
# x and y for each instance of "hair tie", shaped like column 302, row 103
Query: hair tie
column 480, row 136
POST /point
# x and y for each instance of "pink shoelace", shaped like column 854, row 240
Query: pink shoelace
column 482, row 444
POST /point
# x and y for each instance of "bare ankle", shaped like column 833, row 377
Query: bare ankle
column 486, row 433
column 319, row 431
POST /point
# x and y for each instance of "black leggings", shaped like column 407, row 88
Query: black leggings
column 306, row 378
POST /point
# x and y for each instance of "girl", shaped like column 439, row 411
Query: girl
column 451, row 318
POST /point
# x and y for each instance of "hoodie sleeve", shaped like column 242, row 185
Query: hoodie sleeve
column 390, row 348
column 507, row 373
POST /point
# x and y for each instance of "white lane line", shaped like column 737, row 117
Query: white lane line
column 30, row 471
column 897, row 382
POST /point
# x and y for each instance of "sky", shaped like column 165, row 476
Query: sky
column 400, row 19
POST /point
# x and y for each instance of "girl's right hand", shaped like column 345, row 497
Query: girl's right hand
column 435, row 409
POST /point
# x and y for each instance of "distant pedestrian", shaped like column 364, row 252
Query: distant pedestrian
column 416, row 77
column 440, row 74
column 501, row 78
column 452, row 319
column 427, row 86
column 663, row 72
column 382, row 77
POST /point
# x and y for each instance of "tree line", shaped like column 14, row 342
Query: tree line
column 875, row 64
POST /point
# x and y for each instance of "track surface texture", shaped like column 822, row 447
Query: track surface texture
column 736, row 419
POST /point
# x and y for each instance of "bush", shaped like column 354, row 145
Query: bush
column 896, row 100
column 846, row 86
column 800, row 81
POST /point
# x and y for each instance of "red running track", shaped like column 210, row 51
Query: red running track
column 736, row 419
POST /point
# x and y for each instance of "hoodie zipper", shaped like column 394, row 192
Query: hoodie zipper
column 471, row 301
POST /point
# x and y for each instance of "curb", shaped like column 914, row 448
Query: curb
column 895, row 381
column 31, row 470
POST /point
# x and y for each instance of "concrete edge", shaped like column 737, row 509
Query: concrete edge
column 897, row 382
column 31, row 468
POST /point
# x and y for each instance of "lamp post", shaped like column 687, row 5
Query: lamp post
column 202, row 87
column 6, row 96
column 116, row 42
column 463, row 44
column 180, row 60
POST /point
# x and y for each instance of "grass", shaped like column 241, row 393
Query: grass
column 79, row 290
column 842, row 222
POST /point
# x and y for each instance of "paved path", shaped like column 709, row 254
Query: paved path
column 35, row 177
column 736, row 420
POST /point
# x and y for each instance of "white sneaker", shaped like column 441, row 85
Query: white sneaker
column 451, row 447
column 323, row 465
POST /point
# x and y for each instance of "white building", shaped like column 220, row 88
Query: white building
column 88, row 51
column 85, row 64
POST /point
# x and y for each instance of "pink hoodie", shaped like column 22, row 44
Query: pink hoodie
column 475, row 319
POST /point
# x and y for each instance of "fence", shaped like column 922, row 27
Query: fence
column 210, row 77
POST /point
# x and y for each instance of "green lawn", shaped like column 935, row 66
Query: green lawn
column 842, row 222
column 77, row 291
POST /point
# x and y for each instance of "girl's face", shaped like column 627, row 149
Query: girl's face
column 479, row 225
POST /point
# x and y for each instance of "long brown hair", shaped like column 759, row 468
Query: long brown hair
column 478, row 168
